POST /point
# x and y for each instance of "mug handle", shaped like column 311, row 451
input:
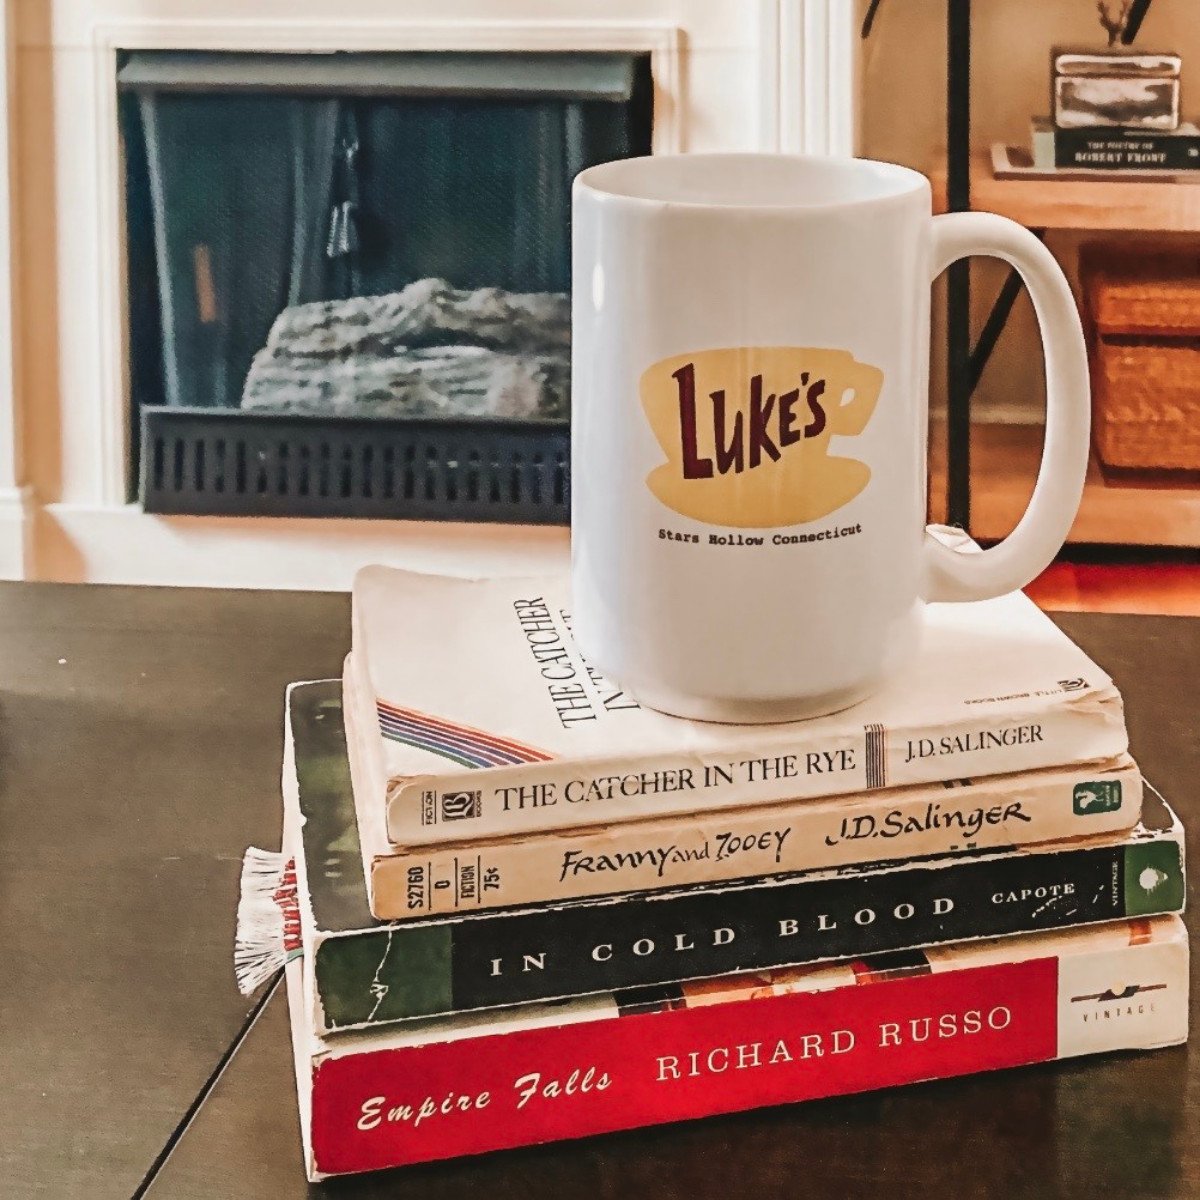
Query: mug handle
column 954, row 575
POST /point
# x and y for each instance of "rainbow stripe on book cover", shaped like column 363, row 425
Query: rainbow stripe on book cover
column 474, row 748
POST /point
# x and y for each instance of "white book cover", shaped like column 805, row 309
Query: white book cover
column 485, row 721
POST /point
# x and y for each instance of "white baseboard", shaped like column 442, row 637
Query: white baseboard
column 122, row 544
column 16, row 533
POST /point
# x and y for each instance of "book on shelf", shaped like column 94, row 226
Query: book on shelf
column 722, row 845
column 1098, row 149
column 482, row 720
column 467, row 1085
column 362, row 972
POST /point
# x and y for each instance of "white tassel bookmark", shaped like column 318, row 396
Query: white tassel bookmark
column 268, row 918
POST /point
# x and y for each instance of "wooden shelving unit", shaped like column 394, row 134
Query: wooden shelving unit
column 1136, row 206
column 1117, row 509
column 984, row 474
column 1139, row 509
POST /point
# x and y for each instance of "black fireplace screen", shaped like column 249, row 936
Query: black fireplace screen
column 363, row 236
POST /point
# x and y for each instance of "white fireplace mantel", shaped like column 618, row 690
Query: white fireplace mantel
column 728, row 74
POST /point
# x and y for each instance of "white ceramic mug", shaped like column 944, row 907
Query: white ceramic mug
column 750, row 365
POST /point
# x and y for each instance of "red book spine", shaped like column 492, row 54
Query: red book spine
column 387, row 1108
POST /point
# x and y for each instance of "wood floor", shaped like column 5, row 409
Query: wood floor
column 1169, row 588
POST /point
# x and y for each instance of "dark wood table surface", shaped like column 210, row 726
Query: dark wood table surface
column 140, row 734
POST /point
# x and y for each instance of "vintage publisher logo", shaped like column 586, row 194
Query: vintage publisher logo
column 1073, row 685
column 1121, row 1003
column 747, row 431
column 461, row 806
column 1114, row 994
column 1102, row 796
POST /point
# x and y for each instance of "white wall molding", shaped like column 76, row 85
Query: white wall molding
column 17, row 513
column 106, row 544
column 817, row 77
column 14, row 498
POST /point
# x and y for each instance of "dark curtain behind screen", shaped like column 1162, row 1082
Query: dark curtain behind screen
column 260, row 201
column 240, row 197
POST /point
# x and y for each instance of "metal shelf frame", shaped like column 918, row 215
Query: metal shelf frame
column 965, row 363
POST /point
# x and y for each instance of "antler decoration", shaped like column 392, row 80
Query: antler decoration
column 1113, row 26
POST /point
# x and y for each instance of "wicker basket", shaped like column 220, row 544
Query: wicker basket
column 1144, row 326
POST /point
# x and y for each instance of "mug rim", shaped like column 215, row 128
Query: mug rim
column 901, row 181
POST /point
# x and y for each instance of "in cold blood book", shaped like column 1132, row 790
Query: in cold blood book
column 724, row 845
column 546, row 1073
column 362, row 971
column 482, row 720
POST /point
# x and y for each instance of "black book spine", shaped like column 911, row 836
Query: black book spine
column 1117, row 149
column 641, row 940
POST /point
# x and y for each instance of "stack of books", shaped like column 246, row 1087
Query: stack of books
column 515, row 907
column 1115, row 114
column 1098, row 149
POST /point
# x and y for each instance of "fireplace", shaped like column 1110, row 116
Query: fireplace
column 80, row 286
column 348, row 275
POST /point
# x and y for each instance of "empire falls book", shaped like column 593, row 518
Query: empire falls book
column 359, row 971
column 544, row 1073
column 503, row 729
column 512, row 906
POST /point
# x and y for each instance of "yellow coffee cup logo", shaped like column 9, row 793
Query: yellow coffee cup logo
column 746, row 432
